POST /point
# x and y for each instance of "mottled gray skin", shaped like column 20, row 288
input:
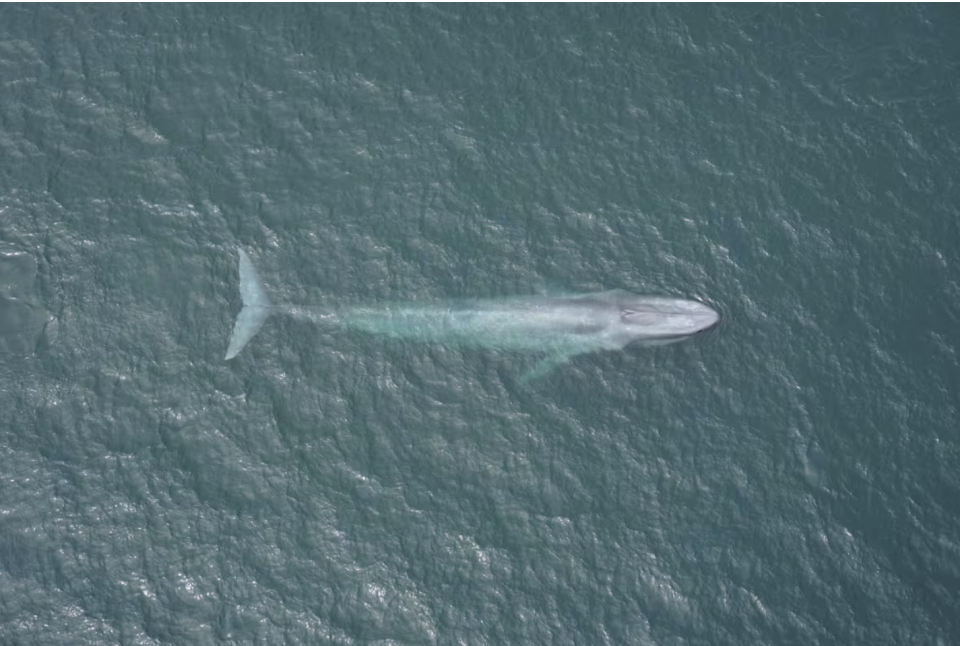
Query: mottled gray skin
column 560, row 327
column 568, row 324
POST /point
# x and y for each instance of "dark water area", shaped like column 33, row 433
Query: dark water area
column 792, row 477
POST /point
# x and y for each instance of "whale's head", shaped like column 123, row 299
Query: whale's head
column 658, row 319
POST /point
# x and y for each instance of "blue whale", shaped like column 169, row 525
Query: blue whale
column 559, row 327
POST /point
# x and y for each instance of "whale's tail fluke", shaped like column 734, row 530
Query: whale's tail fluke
column 256, row 306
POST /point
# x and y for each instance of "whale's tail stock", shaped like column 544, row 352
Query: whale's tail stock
column 256, row 306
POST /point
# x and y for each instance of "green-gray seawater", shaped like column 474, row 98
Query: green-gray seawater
column 791, row 478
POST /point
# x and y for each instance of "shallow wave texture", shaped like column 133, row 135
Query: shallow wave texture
column 792, row 477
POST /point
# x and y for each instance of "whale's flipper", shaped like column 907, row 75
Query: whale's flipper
column 256, row 306
column 546, row 366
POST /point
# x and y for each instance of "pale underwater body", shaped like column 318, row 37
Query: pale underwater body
column 560, row 327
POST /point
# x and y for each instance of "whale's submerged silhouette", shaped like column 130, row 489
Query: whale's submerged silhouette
column 560, row 326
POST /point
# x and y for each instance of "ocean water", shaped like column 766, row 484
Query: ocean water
column 792, row 478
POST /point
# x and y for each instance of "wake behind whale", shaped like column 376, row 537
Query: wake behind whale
column 558, row 327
